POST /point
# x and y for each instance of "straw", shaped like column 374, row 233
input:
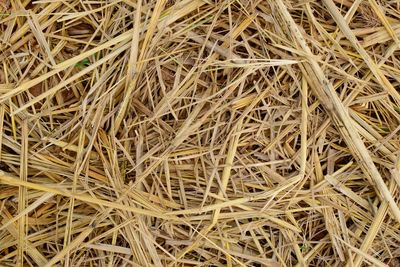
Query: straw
column 199, row 133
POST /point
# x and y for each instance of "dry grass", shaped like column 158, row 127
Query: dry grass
column 199, row 133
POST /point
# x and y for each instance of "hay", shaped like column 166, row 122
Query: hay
column 199, row 133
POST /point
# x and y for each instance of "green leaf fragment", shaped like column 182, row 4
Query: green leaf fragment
column 82, row 64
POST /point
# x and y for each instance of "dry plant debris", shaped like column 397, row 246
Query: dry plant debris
column 199, row 133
